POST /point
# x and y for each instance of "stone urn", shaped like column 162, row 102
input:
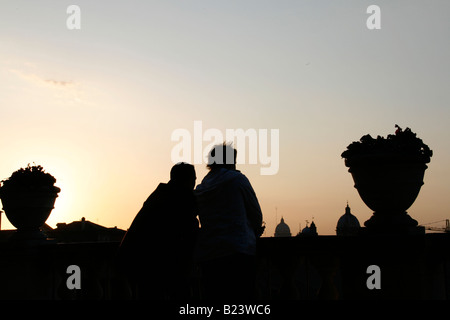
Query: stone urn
column 388, row 175
column 28, row 197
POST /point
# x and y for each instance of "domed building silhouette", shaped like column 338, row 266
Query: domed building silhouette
column 308, row 231
column 348, row 224
column 282, row 229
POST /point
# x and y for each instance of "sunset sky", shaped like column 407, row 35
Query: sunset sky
column 96, row 107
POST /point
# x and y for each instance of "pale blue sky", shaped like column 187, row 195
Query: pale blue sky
column 97, row 106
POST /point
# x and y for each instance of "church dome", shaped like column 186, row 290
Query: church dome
column 309, row 231
column 282, row 229
column 348, row 224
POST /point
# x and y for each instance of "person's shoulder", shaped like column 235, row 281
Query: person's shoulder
column 240, row 179
column 160, row 190
column 240, row 175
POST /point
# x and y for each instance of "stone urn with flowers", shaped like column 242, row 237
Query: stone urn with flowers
column 28, row 197
column 388, row 174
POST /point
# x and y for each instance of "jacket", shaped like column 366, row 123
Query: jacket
column 229, row 213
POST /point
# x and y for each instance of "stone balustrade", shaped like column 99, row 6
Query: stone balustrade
column 292, row 268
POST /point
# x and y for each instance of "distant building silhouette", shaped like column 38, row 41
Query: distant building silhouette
column 76, row 231
column 347, row 224
column 308, row 231
column 282, row 229
column 83, row 231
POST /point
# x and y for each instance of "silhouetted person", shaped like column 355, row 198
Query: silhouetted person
column 156, row 252
column 231, row 221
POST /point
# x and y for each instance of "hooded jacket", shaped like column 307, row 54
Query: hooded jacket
column 229, row 215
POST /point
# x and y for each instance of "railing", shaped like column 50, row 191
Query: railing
column 321, row 267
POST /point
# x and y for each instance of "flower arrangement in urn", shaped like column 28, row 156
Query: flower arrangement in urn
column 28, row 197
column 403, row 145
column 388, row 174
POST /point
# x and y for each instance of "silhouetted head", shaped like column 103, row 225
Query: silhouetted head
column 222, row 156
column 183, row 174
